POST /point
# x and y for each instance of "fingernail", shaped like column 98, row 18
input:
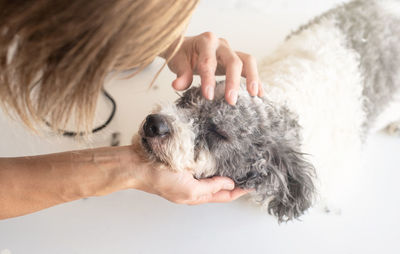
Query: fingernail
column 209, row 93
column 261, row 92
column 254, row 88
column 233, row 96
column 229, row 186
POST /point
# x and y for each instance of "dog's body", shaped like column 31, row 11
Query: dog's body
column 327, row 87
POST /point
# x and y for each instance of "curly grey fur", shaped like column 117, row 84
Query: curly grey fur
column 375, row 36
column 257, row 146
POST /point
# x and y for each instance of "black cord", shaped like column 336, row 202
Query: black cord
column 99, row 128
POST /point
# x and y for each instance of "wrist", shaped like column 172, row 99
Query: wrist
column 102, row 171
column 133, row 168
column 132, row 172
column 125, row 170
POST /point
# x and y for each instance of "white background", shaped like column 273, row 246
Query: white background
column 136, row 222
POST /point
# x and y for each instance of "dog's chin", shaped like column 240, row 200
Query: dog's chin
column 150, row 150
column 146, row 146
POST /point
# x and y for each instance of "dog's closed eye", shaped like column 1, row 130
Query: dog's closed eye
column 217, row 133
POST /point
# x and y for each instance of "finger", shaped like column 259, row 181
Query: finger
column 228, row 196
column 207, row 63
column 213, row 185
column 250, row 72
column 183, row 79
column 260, row 89
column 233, row 66
column 223, row 196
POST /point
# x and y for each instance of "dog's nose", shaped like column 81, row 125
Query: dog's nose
column 155, row 126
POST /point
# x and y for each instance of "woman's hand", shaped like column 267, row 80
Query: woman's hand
column 183, row 188
column 29, row 184
column 207, row 56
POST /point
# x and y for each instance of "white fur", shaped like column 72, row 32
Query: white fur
column 314, row 74
column 390, row 7
column 180, row 149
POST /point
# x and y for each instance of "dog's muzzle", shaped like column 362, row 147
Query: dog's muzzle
column 154, row 133
column 155, row 126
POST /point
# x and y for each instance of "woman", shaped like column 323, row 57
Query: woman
column 56, row 54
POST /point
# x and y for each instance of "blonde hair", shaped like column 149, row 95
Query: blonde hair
column 55, row 54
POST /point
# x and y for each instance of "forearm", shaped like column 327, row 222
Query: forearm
column 29, row 184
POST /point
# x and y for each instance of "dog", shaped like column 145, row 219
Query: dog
column 327, row 87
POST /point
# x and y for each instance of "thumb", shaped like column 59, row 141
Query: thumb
column 214, row 185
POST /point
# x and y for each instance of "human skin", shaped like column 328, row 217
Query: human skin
column 30, row 184
column 33, row 183
column 207, row 56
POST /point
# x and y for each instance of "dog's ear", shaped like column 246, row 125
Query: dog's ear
column 288, row 181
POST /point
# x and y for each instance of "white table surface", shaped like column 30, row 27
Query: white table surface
column 135, row 222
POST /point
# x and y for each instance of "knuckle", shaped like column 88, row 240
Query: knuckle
column 223, row 41
column 209, row 36
column 207, row 64
column 236, row 61
column 250, row 58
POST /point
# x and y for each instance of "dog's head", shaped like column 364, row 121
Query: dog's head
column 255, row 143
